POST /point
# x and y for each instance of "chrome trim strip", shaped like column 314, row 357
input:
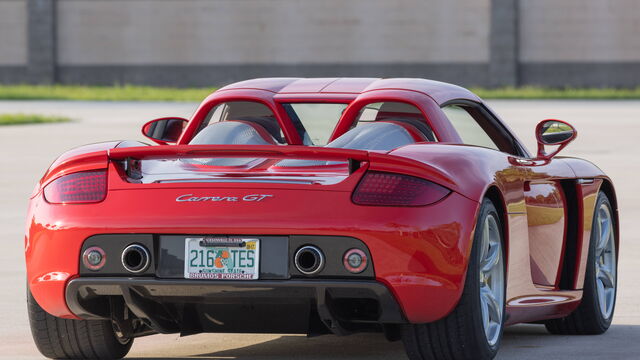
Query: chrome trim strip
column 235, row 180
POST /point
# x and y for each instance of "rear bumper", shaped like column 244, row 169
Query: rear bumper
column 420, row 254
column 287, row 306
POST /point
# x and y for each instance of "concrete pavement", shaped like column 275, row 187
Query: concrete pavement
column 608, row 136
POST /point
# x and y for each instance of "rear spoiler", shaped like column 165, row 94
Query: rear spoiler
column 354, row 157
column 267, row 151
column 377, row 161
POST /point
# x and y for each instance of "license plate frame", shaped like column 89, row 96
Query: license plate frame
column 222, row 258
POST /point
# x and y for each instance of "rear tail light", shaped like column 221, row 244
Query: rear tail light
column 388, row 189
column 80, row 187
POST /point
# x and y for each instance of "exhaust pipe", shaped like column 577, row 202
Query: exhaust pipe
column 309, row 260
column 136, row 258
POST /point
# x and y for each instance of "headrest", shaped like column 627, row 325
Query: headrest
column 377, row 135
column 233, row 133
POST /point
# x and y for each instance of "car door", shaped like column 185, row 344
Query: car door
column 547, row 223
column 541, row 188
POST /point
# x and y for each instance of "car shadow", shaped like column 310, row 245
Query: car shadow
column 534, row 342
column 520, row 342
column 288, row 347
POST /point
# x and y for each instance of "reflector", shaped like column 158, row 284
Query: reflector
column 94, row 258
column 355, row 261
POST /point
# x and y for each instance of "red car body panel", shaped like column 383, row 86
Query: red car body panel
column 418, row 253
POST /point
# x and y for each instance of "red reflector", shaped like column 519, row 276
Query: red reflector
column 387, row 189
column 80, row 187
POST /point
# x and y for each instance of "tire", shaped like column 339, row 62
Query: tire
column 59, row 338
column 590, row 318
column 461, row 335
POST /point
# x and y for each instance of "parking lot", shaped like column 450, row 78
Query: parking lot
column 608, row 135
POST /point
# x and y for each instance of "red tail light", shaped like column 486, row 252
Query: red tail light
column 387, row 189
column 80, row 187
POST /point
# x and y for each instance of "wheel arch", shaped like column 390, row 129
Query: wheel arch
column 609, row 190
column 496, row 197
column 494, row 194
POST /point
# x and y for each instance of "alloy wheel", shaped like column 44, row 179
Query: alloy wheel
column 492, row 287
column 605, row 259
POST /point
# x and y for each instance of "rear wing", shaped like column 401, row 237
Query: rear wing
column 376, row 161
column 261, row 151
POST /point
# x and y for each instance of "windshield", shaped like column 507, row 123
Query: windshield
column 315, row 121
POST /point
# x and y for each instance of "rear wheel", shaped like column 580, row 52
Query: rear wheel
column 474, row 329
column 595, row 312
column 74, row 339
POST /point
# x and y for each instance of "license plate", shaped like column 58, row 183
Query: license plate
column 221, row 258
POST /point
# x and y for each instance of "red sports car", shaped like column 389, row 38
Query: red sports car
column 317, row 206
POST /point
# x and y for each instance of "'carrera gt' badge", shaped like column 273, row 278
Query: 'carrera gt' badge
column 246, row 198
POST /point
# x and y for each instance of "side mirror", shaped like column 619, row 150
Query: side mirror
column 553, row 132
column 164, row 130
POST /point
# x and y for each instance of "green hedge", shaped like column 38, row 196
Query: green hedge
column 148, row 93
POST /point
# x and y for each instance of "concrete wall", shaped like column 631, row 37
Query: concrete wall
column 212, row 42
column 579, row 42
column 13, row 32
column 13, row 40
column 200, row 42
column 580, row 31
column 265, row 32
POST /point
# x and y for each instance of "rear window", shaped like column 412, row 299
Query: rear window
column 315, row 122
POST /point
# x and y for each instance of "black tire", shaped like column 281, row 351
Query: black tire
column 59, row 338
column 460, row 335
column 587, row 319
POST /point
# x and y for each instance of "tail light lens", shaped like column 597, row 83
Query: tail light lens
column 387, row 189
column 76, row 188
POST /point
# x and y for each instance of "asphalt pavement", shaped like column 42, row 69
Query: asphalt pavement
column 609, row 135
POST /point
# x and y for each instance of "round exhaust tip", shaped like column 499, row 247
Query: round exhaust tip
column 309, row 260
column 136, row 258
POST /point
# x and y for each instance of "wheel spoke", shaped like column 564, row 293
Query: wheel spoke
column 491, row 260
column 606, row 277
column 495, row 313
column 494, row 328
column 604, row 233
column 484, row 306
column 602, row 298
column 598, row 231
column 485, row 240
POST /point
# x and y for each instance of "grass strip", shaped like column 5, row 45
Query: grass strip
column 20, row 119
column 150, row 93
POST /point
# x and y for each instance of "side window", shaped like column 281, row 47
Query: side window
column 476, row 126
column 467, row 127
column 249, row 111
column 398, row 112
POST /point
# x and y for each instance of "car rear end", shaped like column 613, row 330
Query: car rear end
column 144, row 237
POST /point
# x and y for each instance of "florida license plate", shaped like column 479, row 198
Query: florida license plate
column 222, row 258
